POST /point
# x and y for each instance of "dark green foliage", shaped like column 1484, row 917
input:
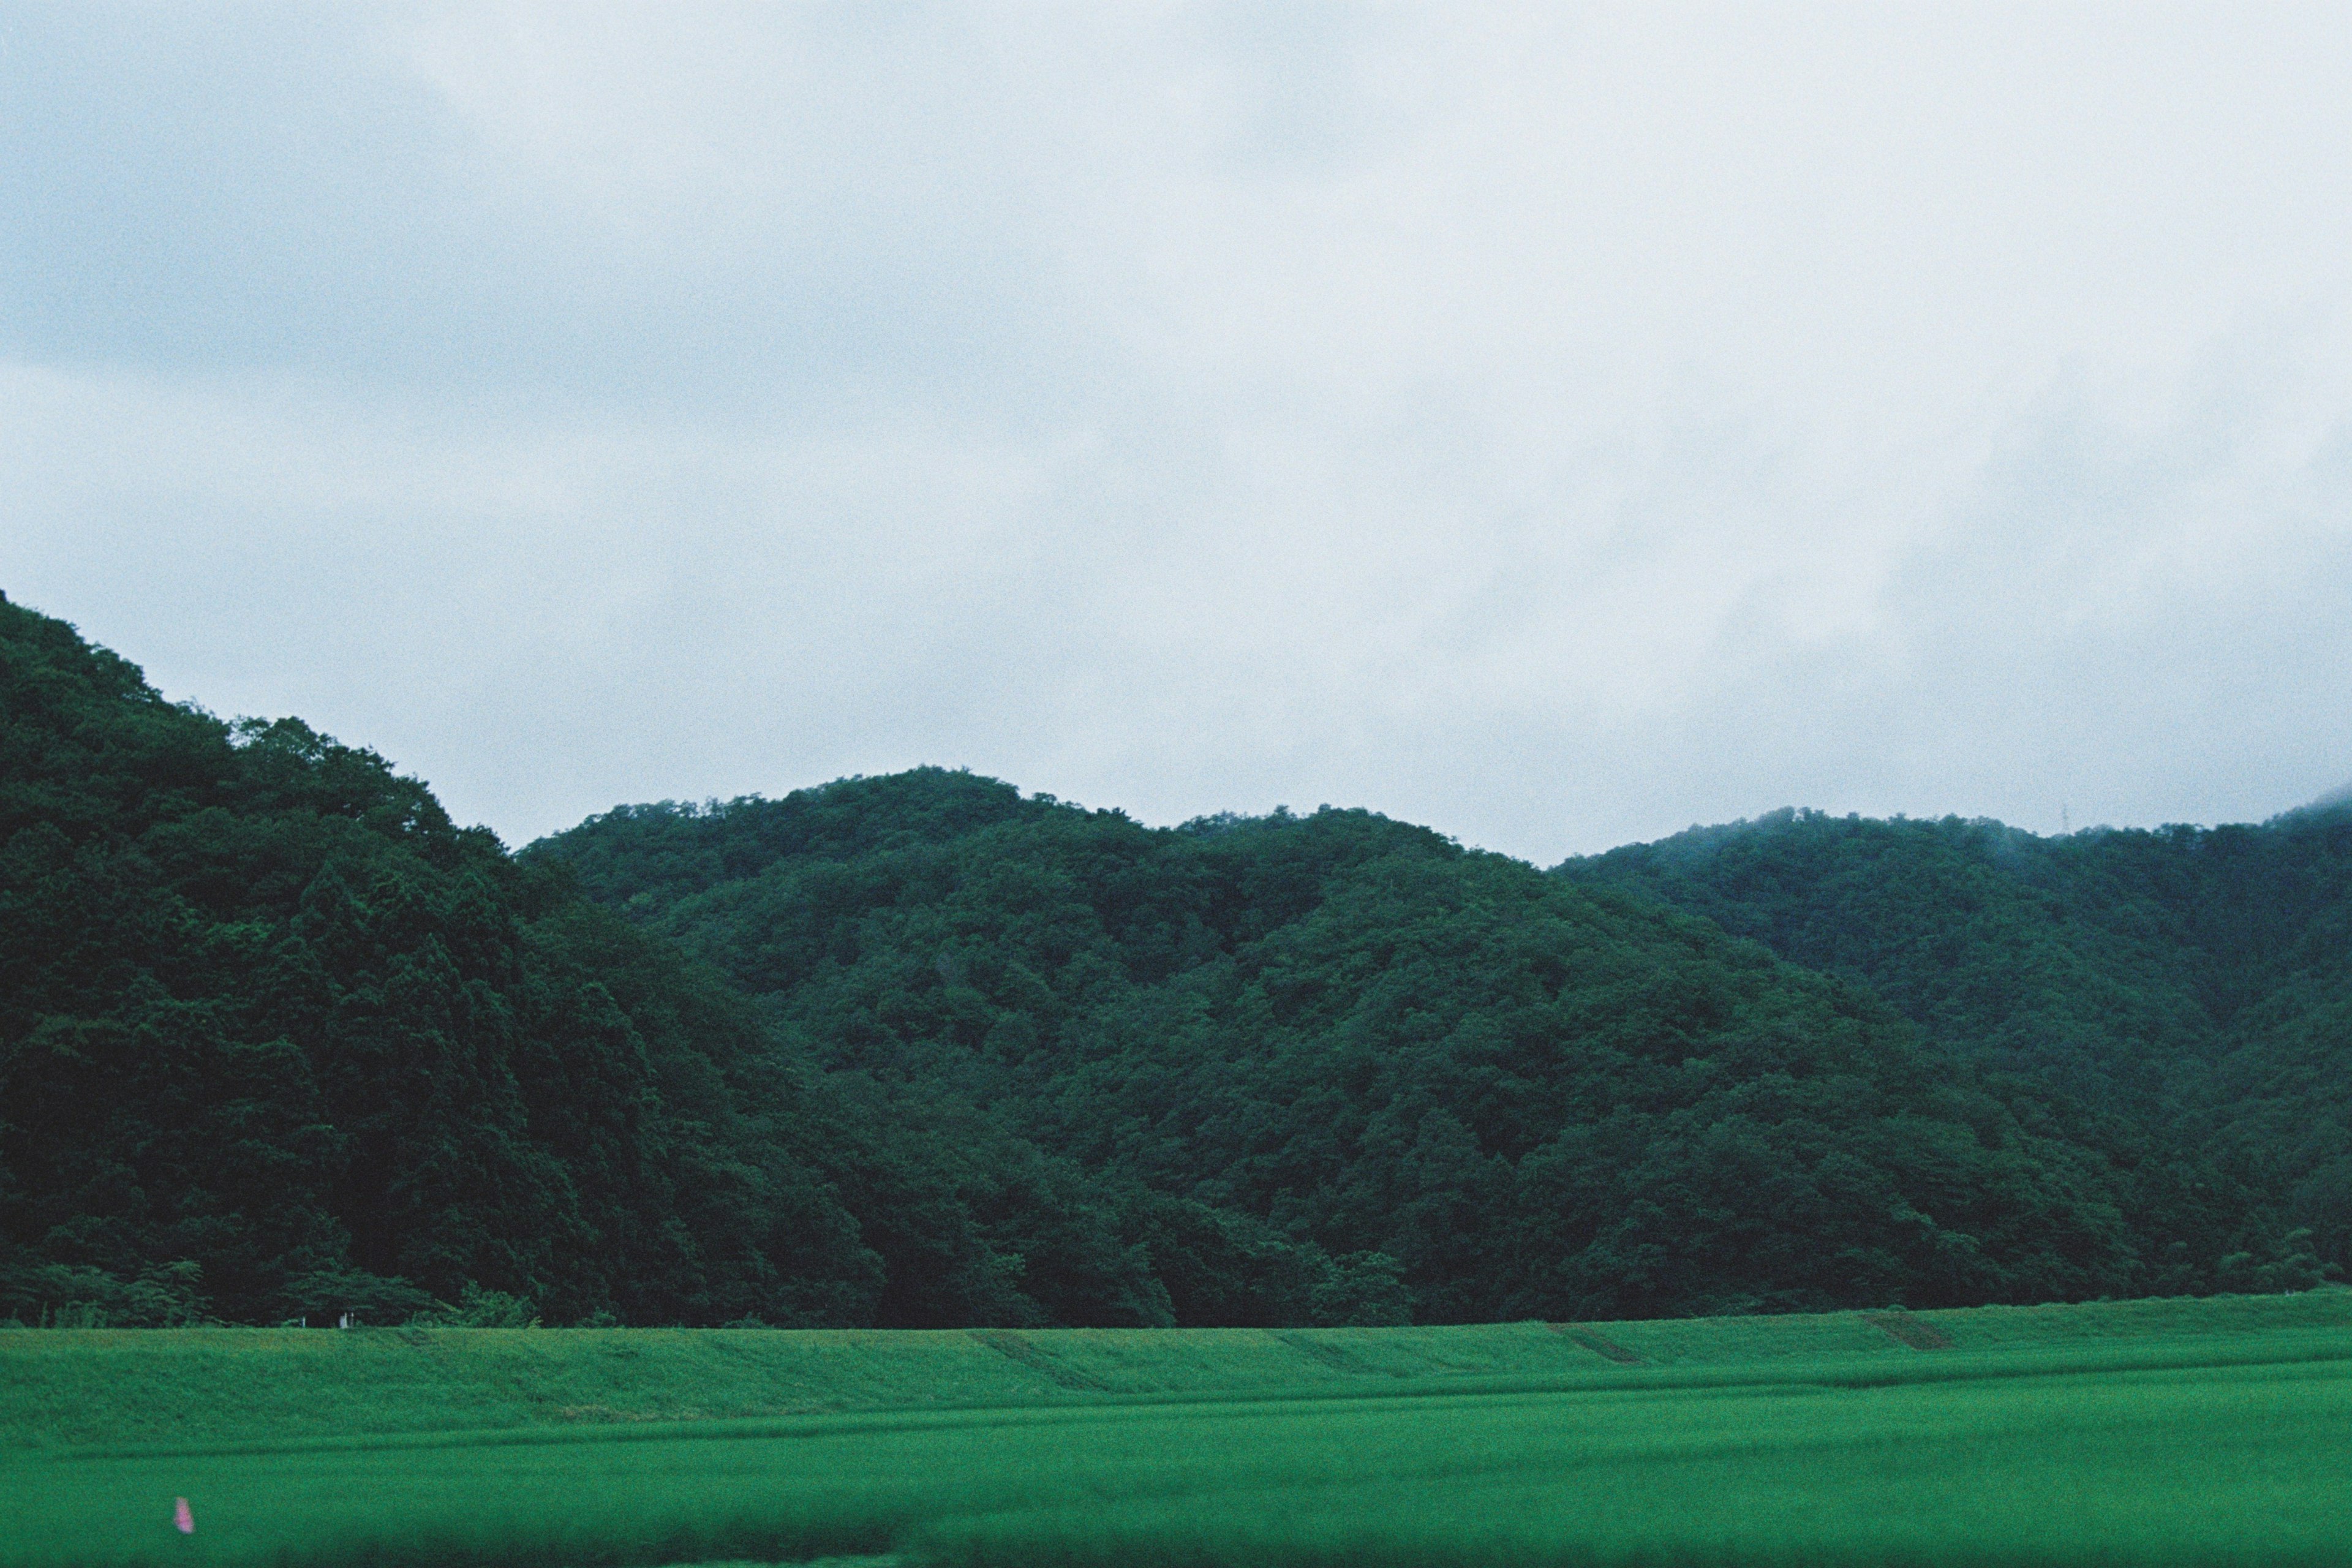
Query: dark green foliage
column 2186, row 992
column 278, row 1040
column 1343, row 1069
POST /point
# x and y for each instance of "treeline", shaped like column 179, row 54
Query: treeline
column 277, row 1040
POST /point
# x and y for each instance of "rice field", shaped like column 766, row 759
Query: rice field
column 2215, row 1432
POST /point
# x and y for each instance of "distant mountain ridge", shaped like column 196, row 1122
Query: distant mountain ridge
column 277, row 1039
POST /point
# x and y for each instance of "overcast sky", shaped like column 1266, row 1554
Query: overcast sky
column 1554, row 426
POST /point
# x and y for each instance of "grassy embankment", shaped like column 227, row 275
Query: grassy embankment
column 2151, row 1432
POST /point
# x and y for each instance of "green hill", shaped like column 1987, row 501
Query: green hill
column 1515, row 1095
column 277, row 1039
column 280, row 1040
column 2186, row 989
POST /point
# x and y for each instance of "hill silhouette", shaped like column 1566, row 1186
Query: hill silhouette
column 277, row 1040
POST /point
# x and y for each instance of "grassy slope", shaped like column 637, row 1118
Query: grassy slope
column 2190, row 1432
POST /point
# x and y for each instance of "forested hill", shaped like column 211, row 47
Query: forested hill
column 2195, row 981
column 1534, row 1098
column 277, row 1039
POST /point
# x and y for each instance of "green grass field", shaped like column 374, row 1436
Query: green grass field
column 2174, row 1432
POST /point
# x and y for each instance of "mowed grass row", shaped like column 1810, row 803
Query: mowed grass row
column 2186, row 1443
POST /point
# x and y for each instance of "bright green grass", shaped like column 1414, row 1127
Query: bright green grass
column 2157, row 1433
column 128, row 1385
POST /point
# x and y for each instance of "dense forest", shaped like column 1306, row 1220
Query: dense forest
column 278, row 1040
column 2193, row 984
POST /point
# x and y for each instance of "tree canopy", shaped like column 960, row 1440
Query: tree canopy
column 1523, row 1096
column 278, row 1039
column 2185, row 990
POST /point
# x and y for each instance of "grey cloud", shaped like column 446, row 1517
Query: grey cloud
column 1555, row 427
column 293, row 191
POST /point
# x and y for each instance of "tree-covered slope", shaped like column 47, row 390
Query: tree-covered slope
column 277, row 1039
column 1528, row 1097
column 2198, row 981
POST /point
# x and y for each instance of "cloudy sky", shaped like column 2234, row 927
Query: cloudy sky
column 1558, row 426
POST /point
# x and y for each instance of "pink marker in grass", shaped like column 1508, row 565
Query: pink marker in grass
column 182, row 1518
